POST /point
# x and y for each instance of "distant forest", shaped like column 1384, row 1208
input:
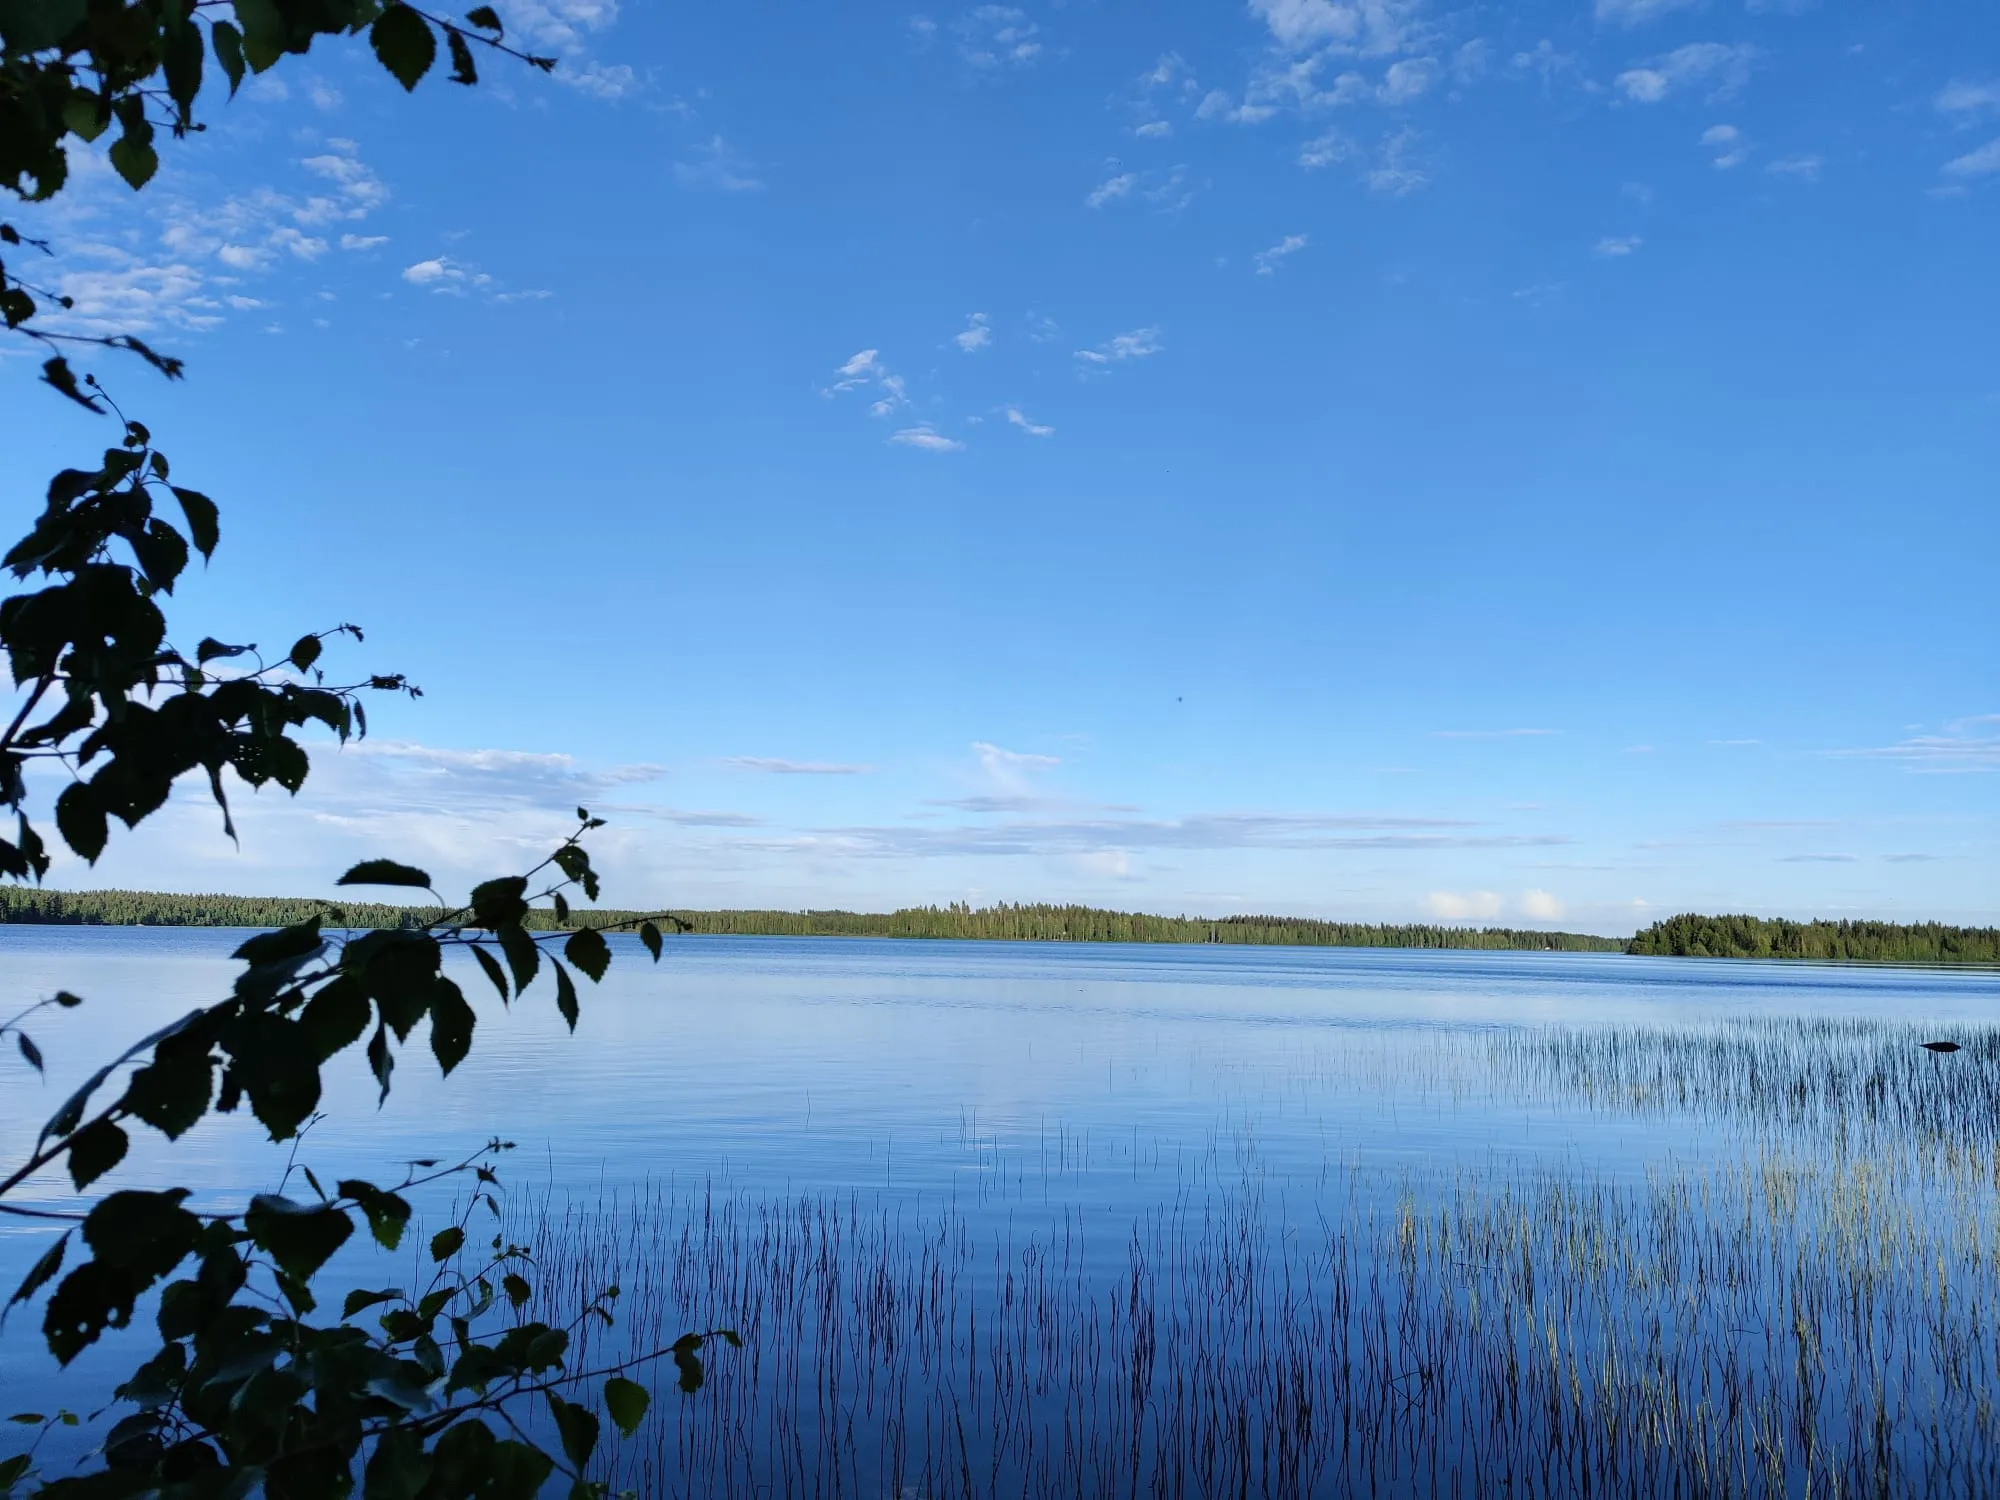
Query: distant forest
column 1071, row 924
column 1692, row 936
column 1687, row 936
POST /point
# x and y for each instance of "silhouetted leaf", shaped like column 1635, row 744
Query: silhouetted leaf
column 627, row 1401
column 566, row 996
column 587, row 949
column 95, row 1150
column 452, row 1021
column 46, row 1265
column 403, row 41
column 578, row 1428
column 29, row 1051
column 300, row 1237
column 384, row 872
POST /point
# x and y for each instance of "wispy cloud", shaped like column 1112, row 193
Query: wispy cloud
column 1711, row 65
column 996, row 760
column 1981, row 163
column 1492, row 734
column 1818, row 859
column 976, row 335
column 1461, row 906
column 1395, row 171
column 1965, row 98
column 1728, row 144
column 927, row 438
column 865, row 371
column 1112, row 188
column 992, row 38
column 1803, row 168
column 1629, row 13
column 1033, row 429
column 773, row 766
column 1967, row 746
column 1268, row 261
column 1140, row 343
column 717, row 166
column 1614, row 245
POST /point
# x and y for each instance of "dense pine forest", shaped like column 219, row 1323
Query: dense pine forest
column 1686, row 936
column 1691, row 936
column 1075, row 924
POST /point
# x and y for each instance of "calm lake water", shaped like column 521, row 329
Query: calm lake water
column 1020, row 1093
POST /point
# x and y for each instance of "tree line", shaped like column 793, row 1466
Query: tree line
column 1005, row 922
column 1693, row 936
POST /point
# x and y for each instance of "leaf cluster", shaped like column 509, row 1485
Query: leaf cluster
column 245, row 1389
column 74, row 70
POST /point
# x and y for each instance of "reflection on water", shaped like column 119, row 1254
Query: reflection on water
column 1037, row 1219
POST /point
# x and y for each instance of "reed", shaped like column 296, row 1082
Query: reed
column 1813, row 1314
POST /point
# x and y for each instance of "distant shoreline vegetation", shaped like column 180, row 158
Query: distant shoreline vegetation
column 1685, row 936
column 1691, row 936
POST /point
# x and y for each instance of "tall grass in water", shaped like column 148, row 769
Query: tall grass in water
column 1815, row 1315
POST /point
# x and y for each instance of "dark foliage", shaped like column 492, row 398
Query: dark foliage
column 411, row 1393
column 1694, row 936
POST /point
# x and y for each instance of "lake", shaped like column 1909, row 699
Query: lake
column 1012, row 1218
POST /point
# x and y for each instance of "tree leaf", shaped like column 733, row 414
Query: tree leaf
column 452, row 1021
column 228, row 44
column 650, row 936
column 462, row 69
column 627, row 1401
column 587, row 949
column 578, row 1427
column 524, row 958
column 402, row 40
column 41, row 1272
column 95, row 1150
column 566, row 996
column 300, row 1237
column 382, row 871
column 361, row 1301
column 486, row 19
column 305, row 651
column 204, row 528
column 135, row 160
column 517, row 1289
column 493, row 970
column 29, row 1051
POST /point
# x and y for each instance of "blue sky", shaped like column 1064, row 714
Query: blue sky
column 1386, row 460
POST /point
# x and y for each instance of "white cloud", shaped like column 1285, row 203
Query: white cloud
column 600, row 80
column 1980, row 163
column 1541, row 906
column 1619, row 244
column 1267, row 261
column 1000, row 761
column 1456, row 906
column 1959, row 98
column 926, row 437
column 1708, row 63
column 1719, row 135
column 1033, row 429
column 1394, row 173
column 994, row 37
column 922, row 28
column 447, row 277
column 866, row 369
column 1112, row 187
column 1153, row 130
column 559, row 24
column 362, row 241
column 772, row 766
column 1408, row 80
column 1138, row 344
column 1630, row 13
column 718, row 167
column 977, row 334
column 1805, row 168
column 1043, row 329
column 1325, row 150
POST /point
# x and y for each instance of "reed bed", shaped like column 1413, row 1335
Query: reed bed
column 1813, row 1310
